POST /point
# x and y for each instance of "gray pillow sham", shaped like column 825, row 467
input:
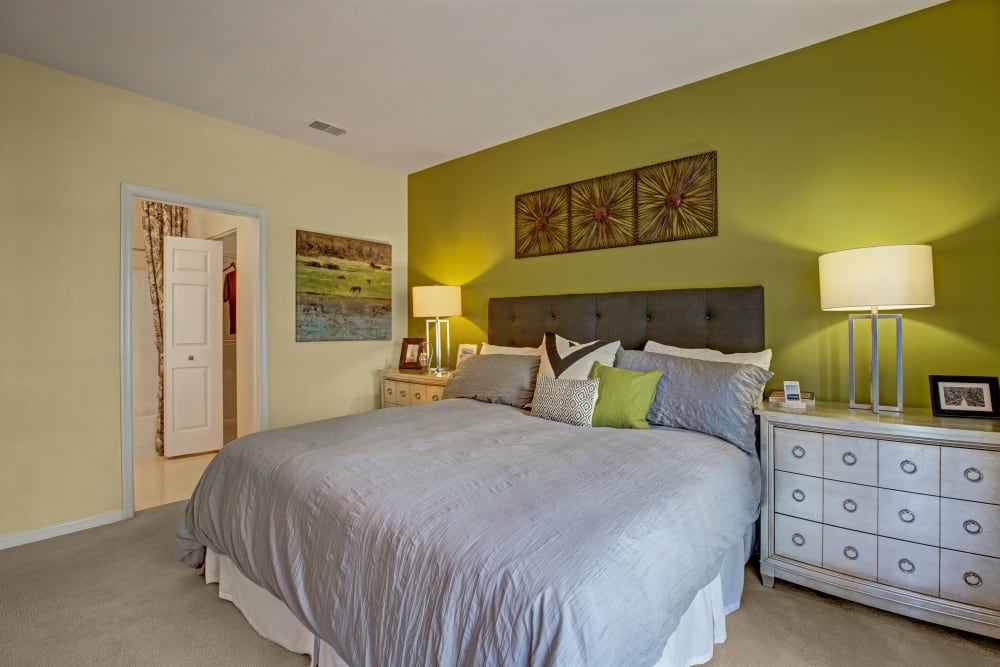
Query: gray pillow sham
column 711, row 397
column 495, row 378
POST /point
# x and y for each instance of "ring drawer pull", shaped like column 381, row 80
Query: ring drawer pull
column 798, row 540
column 908, row 466
column 850, row 506
column 972, row 527
column 906, row 516
column 417, row 396
column 388, row 390
column 435, row 398
column 906, row 565
column 851, row 553
column 849, row 458
column 973, row 474
column 798, row 452
column 798, row 495
column 972, row 579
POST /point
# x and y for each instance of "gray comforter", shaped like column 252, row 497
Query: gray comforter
column 465, row 533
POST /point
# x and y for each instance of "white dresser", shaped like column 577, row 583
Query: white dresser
column 897, row 511
column 410, row 387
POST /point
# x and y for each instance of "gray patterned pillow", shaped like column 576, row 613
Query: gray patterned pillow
column 495, row 378
column 713, row 397
column 568, row 401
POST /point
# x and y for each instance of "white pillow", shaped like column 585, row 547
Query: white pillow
column 500, row 349
column 760, row 359
column 562, row 358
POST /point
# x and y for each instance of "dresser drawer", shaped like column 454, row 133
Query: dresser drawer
column 798, row 451
column 798, row 539
column 418, row 393
column 434, row 393
column 970, row 579
column 853, row 506
column 850, row 552
column 798, row 495
column 389, row 393
column 909, row 467
column 404, row 392
column 909, row 516
column 907, row 565
column 969, row 526
column 970, row 474
column 850, row 459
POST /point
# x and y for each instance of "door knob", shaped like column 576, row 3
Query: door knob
column 190, row 357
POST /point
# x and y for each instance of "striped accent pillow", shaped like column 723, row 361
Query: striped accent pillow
column 562, row 358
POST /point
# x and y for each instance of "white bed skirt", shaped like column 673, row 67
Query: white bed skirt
column 701, row 627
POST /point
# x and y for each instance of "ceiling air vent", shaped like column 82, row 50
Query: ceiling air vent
column 326, row 127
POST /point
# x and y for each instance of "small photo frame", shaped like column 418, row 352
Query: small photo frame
column 465, row 350
column 409, row 353
column 965, row 396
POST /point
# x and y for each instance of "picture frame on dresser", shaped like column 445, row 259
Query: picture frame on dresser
column 409, row 353
column 965, row 396
column 465, row 350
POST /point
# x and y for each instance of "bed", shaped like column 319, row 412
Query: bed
column 472, row 533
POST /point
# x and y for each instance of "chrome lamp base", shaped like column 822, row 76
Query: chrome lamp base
column 874, row 406
column 437, row 368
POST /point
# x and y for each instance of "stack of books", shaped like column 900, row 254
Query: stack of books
column 778, row 396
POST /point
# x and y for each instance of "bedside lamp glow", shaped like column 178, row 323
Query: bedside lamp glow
column 438, row 302
column 891, row 277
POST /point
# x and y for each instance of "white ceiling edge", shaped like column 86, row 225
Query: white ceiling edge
column 416, row 84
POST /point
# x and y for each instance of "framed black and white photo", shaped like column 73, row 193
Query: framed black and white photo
column 965, row 396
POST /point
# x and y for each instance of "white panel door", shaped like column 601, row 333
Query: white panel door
column 192, row 345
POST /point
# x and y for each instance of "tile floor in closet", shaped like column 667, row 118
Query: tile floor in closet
column 159, row 480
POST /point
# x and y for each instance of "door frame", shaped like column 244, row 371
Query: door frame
column 258, row 232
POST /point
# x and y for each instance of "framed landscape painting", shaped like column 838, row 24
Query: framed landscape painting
column 343, row 288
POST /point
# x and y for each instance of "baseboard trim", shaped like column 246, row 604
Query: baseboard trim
column 45, row 532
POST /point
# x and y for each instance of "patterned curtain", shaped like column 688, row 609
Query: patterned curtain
column 159, row 220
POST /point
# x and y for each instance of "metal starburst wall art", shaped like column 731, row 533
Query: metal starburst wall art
column 670, row 201
column 602, row 213
column 541, row 222
column 677, row 200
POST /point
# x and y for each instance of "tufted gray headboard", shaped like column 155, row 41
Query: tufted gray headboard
column 729, row 319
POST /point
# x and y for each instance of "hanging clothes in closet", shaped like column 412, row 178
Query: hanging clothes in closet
column 229, row 293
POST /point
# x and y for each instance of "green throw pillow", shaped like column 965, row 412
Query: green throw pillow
column 623, row 397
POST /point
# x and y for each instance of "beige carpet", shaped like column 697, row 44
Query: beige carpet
column 115, row 596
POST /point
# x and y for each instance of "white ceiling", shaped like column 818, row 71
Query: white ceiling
column 416, row 82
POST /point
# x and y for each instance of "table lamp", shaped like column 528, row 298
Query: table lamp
column 438, row 302
column 891, row 277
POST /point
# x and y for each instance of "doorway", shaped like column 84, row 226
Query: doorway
column 241, row 230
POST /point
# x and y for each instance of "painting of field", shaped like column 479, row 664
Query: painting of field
column 343, row 288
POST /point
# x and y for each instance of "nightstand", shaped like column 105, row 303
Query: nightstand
column 900, row 511
column 400, row 387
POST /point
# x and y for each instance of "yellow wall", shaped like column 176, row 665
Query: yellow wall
column 66, row 145
column 887, row 135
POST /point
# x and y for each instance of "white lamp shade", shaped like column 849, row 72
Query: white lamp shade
column 890, row 277
column 437, row 301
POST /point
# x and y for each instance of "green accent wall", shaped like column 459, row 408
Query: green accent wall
column 887, row 135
